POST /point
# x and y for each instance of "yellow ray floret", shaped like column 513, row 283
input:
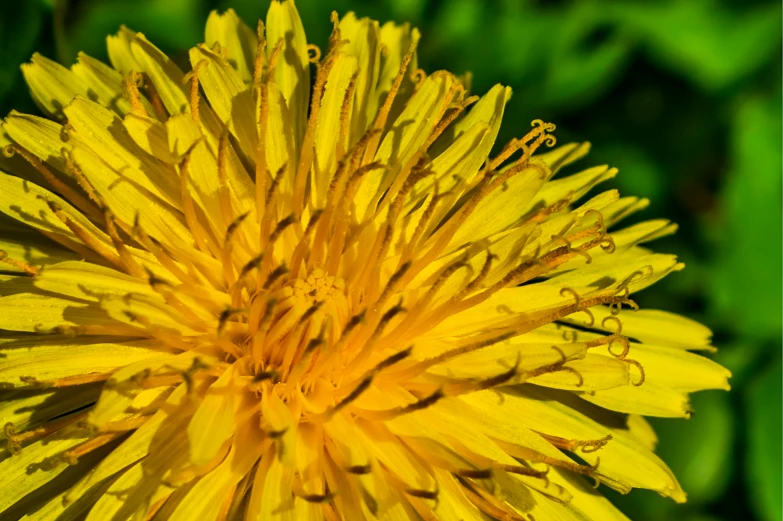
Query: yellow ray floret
column 235, row 293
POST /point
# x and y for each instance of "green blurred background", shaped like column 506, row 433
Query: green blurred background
column 683, row 96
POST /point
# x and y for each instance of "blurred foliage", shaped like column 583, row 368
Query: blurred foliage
column 683, row 96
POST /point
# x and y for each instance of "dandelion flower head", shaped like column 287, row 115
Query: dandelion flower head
column 299, row 284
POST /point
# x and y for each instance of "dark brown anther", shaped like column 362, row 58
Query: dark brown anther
column 354, row 321
column 281, row 226
column 317, row 498
column 265, row 375
column 359, row 469
column 475, row 473
column 276, row 274
column 226, row 315
column 310, row 312
column 232, row 228
column 254, row 263
column 423, row 494
column 353, row 395
column 393, row 359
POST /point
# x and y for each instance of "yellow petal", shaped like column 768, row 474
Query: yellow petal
column 228, row 96
column 137, row 445
column 459, row 154
column 622, row 208
column 28, row 470
column 130, row 202
column 585, row 500
column 165, row 75
column 277, row 418
column 40, row 136
column 280, row 138
column 122, row 388
column 656, row 327
column 327, row 133
column 649, row 399
column 403, row 140
column 103, row 132
column 293, row 67
column 643, row 232
column 24, row 308
column 398, row 40
column 237, row 40
column 112, row 502
column 27, row 411
column 622, row 458
column 363, row 37
column 499, row 358
column 593, row 372
column 60, row 357
column 120, row 53
column 206, row 498
column 564, row 155
column 640, row 429
column 52, row 85
column 107, row 84
column 501, row 209
column 611, row 271
column 574, row 186
column 152, row 136
column 215, row 419
column 271, row 498
column 88, row 281
column 23, row 244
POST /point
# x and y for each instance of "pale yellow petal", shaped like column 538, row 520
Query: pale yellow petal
column 622, row 459
column 25, row 308
column 592, row 373
column 132, row 203
column 164, row 74
column 293, row 67
column 459, row 154
column 27, row 410
column 122, row 388
column 228, row 96
column 501, row 209
column 206, row 498
column 88, row 281
column 24, row 244
column 216, row 418
column 103, row 132
column 404, row 139
column 564, row 155
column 398, row 40
column 327, row 134
column 655, row 327
column 152, row 136
column 574, row 186
column 53, row 357
column 363, row 37
column 120, row 52
column 52, row 85
column 107, row 83
column 36, row 465
column 237, row 40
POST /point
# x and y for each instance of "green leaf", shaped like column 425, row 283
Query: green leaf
column 586, row 56
column 763, row 471
column 18, row 36
column 699, row 450
column 712, row 44
column 172, row 25
column 747, row 278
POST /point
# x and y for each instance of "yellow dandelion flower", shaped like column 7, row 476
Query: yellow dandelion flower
column 229, row 295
